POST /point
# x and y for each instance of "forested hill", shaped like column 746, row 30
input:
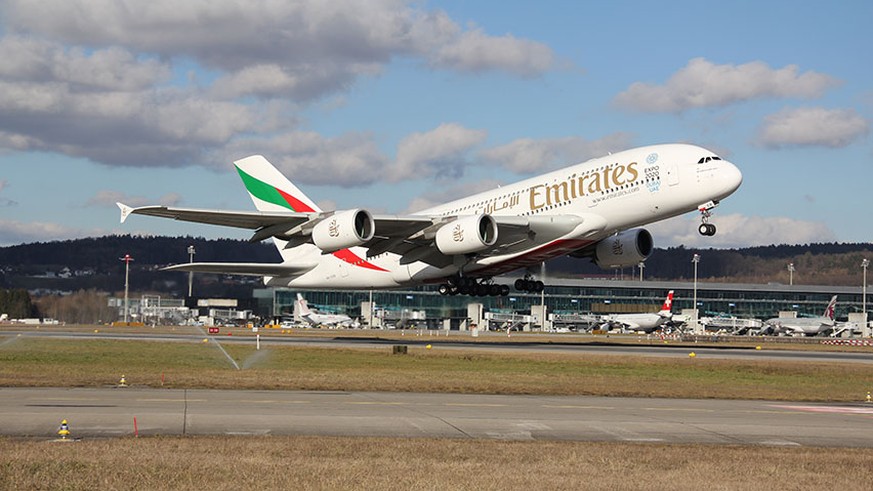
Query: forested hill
column 821, row 264
column 104, row 252
column 814, row 264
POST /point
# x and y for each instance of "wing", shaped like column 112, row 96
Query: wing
column 409, row 236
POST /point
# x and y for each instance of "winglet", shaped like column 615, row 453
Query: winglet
column 125, row 211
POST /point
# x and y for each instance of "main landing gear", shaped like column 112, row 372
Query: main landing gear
column 528, row 284
column 706, row 228
column 463, row 285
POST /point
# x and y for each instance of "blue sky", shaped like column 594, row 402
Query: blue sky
column 394, row 106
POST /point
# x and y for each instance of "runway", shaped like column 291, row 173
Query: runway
column 110, row 412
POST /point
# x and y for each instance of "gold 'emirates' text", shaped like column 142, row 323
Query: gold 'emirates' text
column 609, row 177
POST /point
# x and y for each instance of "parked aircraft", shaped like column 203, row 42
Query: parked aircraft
column 318, row 319
column 645, row 322
column 807, row 326
column 589, row 210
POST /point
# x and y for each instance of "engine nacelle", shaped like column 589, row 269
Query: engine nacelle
column 625, row 249
column 344, row 229
column 466, row 235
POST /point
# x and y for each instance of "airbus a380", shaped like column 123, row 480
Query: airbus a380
column 591, row 209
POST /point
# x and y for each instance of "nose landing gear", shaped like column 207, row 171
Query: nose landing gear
column 706, row 228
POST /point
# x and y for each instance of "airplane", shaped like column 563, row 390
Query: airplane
column 645, row 322
column 807, row 326
column 594, row 210
column 319, row 319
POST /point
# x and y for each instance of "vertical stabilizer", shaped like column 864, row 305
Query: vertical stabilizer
column 668, row 303
column 829, row 311
column 269, row 189
column 303, row 305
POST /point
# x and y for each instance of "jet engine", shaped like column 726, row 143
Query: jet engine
column 627, row 248
column 344, row 229
column 466, row 235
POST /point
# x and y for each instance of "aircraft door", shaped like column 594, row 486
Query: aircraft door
column 672, row 174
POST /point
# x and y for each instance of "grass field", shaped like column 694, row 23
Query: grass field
column 378, row 463
column 45, row 362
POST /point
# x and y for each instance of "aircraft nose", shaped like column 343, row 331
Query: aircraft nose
column 731, row 177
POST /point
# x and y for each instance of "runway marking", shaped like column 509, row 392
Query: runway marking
column 831, row 409
column 464, row 404
column 533, row 425
column 780, row 443
column 679, row 409
column 271, row 401
column 374, row 403
column 172, row 400
column 550, row 406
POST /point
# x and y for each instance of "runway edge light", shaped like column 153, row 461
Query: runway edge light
column 64, row 430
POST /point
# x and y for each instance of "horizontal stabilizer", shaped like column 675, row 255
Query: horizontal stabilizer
column 251, row 269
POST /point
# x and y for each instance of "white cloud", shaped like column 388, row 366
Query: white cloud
column 348, row 160
column 702, row 83
column 735, row 231
column 98, row 79
column 814, row 126
column 303, row 37
column 33, row 60
column 440, row 152
column 527, row 155
column 475, row 51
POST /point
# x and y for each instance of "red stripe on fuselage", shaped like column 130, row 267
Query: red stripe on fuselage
column 536, row 256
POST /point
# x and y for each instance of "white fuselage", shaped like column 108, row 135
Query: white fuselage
column 809, row 326
column 623, row 190
column 638, row 322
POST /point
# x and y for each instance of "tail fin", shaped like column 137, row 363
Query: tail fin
column 272, row 191
column 829, row 311
column 303, row 305
column 668, row 303
column 269, row 189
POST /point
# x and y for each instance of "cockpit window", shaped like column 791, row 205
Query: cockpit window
column 707, row 159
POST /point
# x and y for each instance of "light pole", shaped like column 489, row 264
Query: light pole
column 790, row 274
column 127, row 259
column 864, row 264
column 642, row 266
column 191, row 253
column 695, row 259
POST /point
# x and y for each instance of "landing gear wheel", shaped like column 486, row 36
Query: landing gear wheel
column 529, row 285
column 707, row 229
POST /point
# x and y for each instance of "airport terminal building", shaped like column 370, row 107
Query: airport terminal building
column 566, row 298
